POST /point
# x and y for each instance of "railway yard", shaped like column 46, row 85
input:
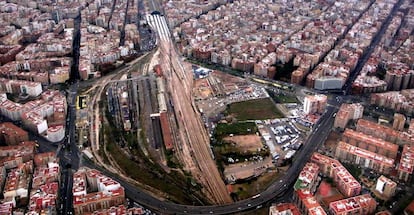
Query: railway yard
column 170, row 117
column 208, row 107
column 143, row 105
column 139, row 103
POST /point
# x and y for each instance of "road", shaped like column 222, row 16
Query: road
column 68, row 152
column 182, row 101
column 179, row 86
column 183, row 104
column 273, row 192
column 367, row 53
column 178, row 79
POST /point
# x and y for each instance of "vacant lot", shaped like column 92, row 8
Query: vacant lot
column 242, row 128
column 245, row 142
column 252, row 187
column 282, row 97
column 254, row 109
column 332, row 141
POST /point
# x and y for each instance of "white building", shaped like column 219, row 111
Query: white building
column 385, row 186
column 328, row 83
column 31, row 88
column 315, row 104
column 34, row 122
column 55, row 133
column 11, row 110
column 106, row 184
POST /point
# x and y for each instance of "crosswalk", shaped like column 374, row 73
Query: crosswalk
column 159, row 24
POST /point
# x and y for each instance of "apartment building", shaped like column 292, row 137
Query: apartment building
column 93, row 191
column 370, row 143
column 406, row 164
column 398, row 122
column 363, row 205
column 385, row 188
column 400, row 101
column 364, row 158
column 16, row 155
column 315, row 104
column 348, row 112
column 284, row 208
column 383, row 132
column 307, row 203
column 332, row 168
column 11, row 134
column 308, row 177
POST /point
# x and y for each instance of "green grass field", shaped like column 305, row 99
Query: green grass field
column 241, row 128
column 257, row 109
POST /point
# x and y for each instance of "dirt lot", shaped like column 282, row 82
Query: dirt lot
column 230, row 82
column 332, row 141
column 253, row 187
column 245, row 142
column 201, row 89
column 221, row 83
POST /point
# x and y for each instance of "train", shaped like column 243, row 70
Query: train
column 274, row 84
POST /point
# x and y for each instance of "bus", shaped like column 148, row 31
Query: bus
column 256, row 196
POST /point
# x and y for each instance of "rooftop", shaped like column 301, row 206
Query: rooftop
column 370, row 140
column 353, row 204
column 366, row 154
column 407, row 159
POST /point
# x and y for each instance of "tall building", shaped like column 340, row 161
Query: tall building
column 308, row 177
column 370, row 143
column 365, row 158
column 385, row 188
column 383, row 132
column 11, row 134
column 362, row 205
column 315, row 104
column 348, row 112
column 297, row 77
column 399, row 122
column 406, row 166
column 284, row 209
column 94, row 191
column 345, row 182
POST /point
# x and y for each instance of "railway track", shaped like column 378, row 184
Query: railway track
column 192, row 131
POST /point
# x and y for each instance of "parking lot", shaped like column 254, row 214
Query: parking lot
column 281, row 136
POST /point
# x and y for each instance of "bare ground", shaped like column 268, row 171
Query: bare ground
column 250, row 142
